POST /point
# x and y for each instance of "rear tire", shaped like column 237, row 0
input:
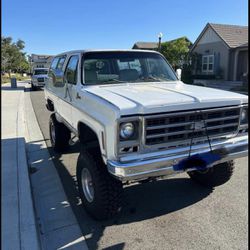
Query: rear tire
column 215, row 176
column 33, row 87
column 102, row 195
column 59, row 134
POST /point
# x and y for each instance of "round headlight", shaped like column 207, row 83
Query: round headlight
column 126, row 130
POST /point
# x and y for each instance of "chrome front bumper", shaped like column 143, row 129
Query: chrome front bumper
column 37, row 83
column 142, row 166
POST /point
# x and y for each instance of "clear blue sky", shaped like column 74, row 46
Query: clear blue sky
column 53, row 26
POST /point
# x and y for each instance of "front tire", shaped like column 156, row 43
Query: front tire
column 215, row 176
column 100, row 193
column 59, row 134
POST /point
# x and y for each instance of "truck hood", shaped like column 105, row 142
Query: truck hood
column 145, row 98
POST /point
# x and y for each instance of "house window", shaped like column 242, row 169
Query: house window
column 208, row 63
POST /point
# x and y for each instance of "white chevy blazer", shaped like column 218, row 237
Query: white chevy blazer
column 137, row 122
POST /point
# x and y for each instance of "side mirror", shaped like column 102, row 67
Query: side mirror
column 68, row 76
column 178, row 73
column 63, row 75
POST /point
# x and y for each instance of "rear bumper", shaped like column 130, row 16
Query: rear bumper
column 164, row 162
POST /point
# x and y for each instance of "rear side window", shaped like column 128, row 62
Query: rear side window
column 54, row 63
column 71, row 70
column 61, row 62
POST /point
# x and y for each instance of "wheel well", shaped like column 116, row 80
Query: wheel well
column 50, row 105
column 88, row 137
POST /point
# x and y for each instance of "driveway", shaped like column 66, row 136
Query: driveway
column 169, row 214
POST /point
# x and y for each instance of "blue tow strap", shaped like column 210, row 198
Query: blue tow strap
column 198, row 161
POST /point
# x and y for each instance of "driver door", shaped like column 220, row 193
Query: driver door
column 70, row 76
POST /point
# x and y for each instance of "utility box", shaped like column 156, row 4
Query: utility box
column 13, row 83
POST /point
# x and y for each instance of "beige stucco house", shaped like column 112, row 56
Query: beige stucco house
column 221, row 52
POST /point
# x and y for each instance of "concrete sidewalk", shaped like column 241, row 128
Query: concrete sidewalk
column 58, row 226
column 19, row 229
column 35, row 210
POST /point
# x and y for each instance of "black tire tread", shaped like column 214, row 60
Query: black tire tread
column 62, row 135
column 108, row 191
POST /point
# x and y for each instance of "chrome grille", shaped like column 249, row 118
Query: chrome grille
column 178, row 127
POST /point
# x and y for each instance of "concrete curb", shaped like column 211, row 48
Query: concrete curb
column 28, row 227
column 58, row 226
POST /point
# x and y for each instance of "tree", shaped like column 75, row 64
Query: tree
column 176, row 52
column 13, row 58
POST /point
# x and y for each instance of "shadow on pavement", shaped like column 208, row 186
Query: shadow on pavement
column 141, row 202
column 8, row 88
column 56, row 222
column 18, row 221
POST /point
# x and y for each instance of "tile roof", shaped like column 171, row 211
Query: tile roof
column 232, row 35
column 146, row 45
column 153, row 45
column 41, row 55
column 243, row 45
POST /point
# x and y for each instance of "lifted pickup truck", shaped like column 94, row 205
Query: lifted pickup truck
column 137, row 122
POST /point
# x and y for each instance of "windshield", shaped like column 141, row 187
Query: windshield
column 40, row 72
column 119, row 67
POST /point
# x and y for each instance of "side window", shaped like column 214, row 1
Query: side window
column 71, row 70
column 55, row 74
column 61, row 62
column 54, row 63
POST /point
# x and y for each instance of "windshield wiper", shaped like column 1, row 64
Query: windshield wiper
column 156, row 79
column 113, row 80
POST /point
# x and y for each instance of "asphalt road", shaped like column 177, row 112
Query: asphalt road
column 170, row 214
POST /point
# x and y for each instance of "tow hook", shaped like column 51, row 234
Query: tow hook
column 73, row 141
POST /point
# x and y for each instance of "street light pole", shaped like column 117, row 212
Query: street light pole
column 159, row 45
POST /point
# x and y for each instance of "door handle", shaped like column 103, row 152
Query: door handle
column 78, row 96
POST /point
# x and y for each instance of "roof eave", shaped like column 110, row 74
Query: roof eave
column 202, row 33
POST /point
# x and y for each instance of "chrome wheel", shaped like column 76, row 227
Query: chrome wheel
column 87, row 185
